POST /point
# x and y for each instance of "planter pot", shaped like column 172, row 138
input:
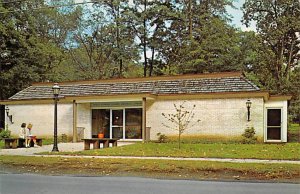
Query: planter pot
column 100, row 135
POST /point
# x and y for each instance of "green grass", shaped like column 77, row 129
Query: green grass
column 293, row 133
column 1, row 144
column 149, row 168
column 289, row 151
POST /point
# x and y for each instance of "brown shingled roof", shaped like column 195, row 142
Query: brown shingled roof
column 192, row 84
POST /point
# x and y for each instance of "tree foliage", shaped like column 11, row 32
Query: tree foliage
column 46, row 40
column 278, row 27
column 30, row 47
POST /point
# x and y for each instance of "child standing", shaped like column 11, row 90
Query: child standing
column 29, row 135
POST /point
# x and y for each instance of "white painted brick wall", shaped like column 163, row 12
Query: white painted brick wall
column 84, row 118
column 224, row 117
column 42, row 118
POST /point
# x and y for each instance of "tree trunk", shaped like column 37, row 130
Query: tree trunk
column 190, row 17
column 152, row 61
column 145, row 41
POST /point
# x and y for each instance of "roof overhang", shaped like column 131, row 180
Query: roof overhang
column 119, row 97
column 280, row 97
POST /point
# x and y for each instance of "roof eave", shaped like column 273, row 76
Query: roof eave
column 213, row 95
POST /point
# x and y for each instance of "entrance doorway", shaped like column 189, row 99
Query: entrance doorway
column 101, row 122
column 274, row 121
column 125, row 123
column 117, row 124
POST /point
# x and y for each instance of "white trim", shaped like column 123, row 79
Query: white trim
column 110, row 123
column 266, row 124
column 107, row 100
column 283, row 105
column 116, row 108
column 123, row 123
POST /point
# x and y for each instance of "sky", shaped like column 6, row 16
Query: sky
column 237, row 15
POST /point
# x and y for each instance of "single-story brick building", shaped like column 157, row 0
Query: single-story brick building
column 131, row 108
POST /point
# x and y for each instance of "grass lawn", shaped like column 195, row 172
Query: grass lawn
column 294, row 133
column 1, row 144
column 289, row 151
column 150, row 168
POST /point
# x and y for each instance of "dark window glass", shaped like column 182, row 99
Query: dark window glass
column 100, row 122
column 133, row 123
column 274, row 117
column 117, row 132
column 117, row 117
column 274, row 133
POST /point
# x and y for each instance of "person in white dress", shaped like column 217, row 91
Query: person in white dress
column 30, row 136
column 22, row 133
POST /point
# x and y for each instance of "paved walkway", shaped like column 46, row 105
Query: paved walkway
column 72, row 147
column 62, row 147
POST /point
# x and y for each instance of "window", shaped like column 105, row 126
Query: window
column 125, row 123
column 133, row 123
column 273, row 124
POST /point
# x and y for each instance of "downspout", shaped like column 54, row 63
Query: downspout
column 75, row 121
column 144, row 120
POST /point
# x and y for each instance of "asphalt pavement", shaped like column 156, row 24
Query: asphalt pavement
column 28, row 183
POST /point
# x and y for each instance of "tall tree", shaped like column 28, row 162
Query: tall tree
column 28, row 51
column 105, row 46
column 278, row 27
column 137, row 19
column 204, row 43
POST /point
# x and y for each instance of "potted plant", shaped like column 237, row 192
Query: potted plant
column 101, row 133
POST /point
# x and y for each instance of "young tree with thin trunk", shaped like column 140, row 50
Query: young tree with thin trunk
column 181, row 120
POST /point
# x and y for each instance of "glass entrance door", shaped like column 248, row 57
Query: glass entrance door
column 117, row 123
column 274, row 124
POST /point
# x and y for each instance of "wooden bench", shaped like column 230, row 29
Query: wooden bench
column 10, row 143
column 97, row 141
column 21, row 143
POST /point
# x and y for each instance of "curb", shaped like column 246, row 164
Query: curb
column 180, row 159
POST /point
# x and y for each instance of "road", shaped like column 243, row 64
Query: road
column 27, row 183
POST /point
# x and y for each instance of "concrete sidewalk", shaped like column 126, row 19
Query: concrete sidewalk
column 62, row 147
column 186, row 159
column 73, row 147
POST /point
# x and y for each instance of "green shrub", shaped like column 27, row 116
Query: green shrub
column 249, row 136
column 5, row 134
column 162, row 138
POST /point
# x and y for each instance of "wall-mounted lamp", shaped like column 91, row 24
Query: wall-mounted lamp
column 248, row 105
column 8, row 115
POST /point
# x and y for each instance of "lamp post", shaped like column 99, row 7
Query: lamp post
column 248, row 105
column 56, row 90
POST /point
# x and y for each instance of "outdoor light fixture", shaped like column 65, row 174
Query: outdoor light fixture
column 7, row 114
column 56, row 90
column 248, row 105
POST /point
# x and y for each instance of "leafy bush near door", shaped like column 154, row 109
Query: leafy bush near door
column 5, row 134
column 162, row 138
column 249, row 136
